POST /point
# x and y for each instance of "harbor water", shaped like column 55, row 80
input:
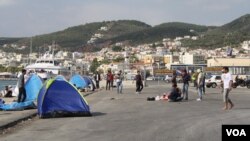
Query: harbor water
column 4, row 83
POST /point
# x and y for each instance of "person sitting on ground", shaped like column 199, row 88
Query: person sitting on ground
column 175, row 94
column 8, row 91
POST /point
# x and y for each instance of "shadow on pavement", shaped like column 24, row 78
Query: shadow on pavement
column 94, row 114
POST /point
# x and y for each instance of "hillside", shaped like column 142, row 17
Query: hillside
column 157, row 33
column 136, row 32
column 230, row 34
column 74, row 38
column 8, row 40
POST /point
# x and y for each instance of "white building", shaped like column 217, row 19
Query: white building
column 161, row 51
column 246, row 45
column 104, row 28
column 98, row 35
column 187, row 58
column 194, row 38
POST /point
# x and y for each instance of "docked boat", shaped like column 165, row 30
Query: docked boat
column 7, row 76
column 47, row 66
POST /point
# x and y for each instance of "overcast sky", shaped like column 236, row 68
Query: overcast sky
column 34, row 17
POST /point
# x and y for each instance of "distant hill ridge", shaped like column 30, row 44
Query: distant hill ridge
column 136, row 32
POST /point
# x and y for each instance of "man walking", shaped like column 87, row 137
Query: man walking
column 119, row 79
column 139, row 84
column 227, row 86
column 200, row 82
column 22, row 91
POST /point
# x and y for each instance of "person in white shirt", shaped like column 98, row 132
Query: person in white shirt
column 200, row 82
column 227, row 86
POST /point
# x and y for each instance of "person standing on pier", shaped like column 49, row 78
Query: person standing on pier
column 186, row 79
column 173, row 80
column 200, row 83
column 119, row 79
column 21, row 86
column 227, row 86
column 108, row 82
column 139, row 84
column 97, row 78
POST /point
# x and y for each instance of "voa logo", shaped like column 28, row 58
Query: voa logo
column 236, row 132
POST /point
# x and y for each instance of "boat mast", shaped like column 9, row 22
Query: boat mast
column 30, row 50
column 53, row 46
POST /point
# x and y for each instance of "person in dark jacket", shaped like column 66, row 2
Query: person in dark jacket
column 175, row 94
column 21, row 84
column 97, row 78
column 173, row 80
column 186, row 79
column 139, row 84
column 109, row 79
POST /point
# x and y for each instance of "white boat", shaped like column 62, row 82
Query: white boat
column 47, row 66
column 7, row 76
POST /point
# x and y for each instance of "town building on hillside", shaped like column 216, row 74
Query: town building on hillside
column 161, row 50
column 246, row 45
column 187, row 58
column 104, row 28
column 171, row 58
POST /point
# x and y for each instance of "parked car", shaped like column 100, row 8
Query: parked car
column 168, row 78
column 160, row 77
column 150, row 78
column 213, row 81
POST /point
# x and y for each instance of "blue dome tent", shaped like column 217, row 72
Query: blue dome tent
column 60, row 98
column 60, row 77
column 32, row 87
column 78, row 81
column 89, row 81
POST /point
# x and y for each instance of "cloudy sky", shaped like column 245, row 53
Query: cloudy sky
column 33, row 17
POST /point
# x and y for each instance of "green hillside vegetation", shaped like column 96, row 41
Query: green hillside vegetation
column 136, row 32
column 8, row 40
column 157, row 33
column 231, row 34
column 74, row 38
column 121, row 27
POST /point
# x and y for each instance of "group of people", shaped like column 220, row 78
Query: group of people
column 176, row 95
column 118, row 79
column 110, row 77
